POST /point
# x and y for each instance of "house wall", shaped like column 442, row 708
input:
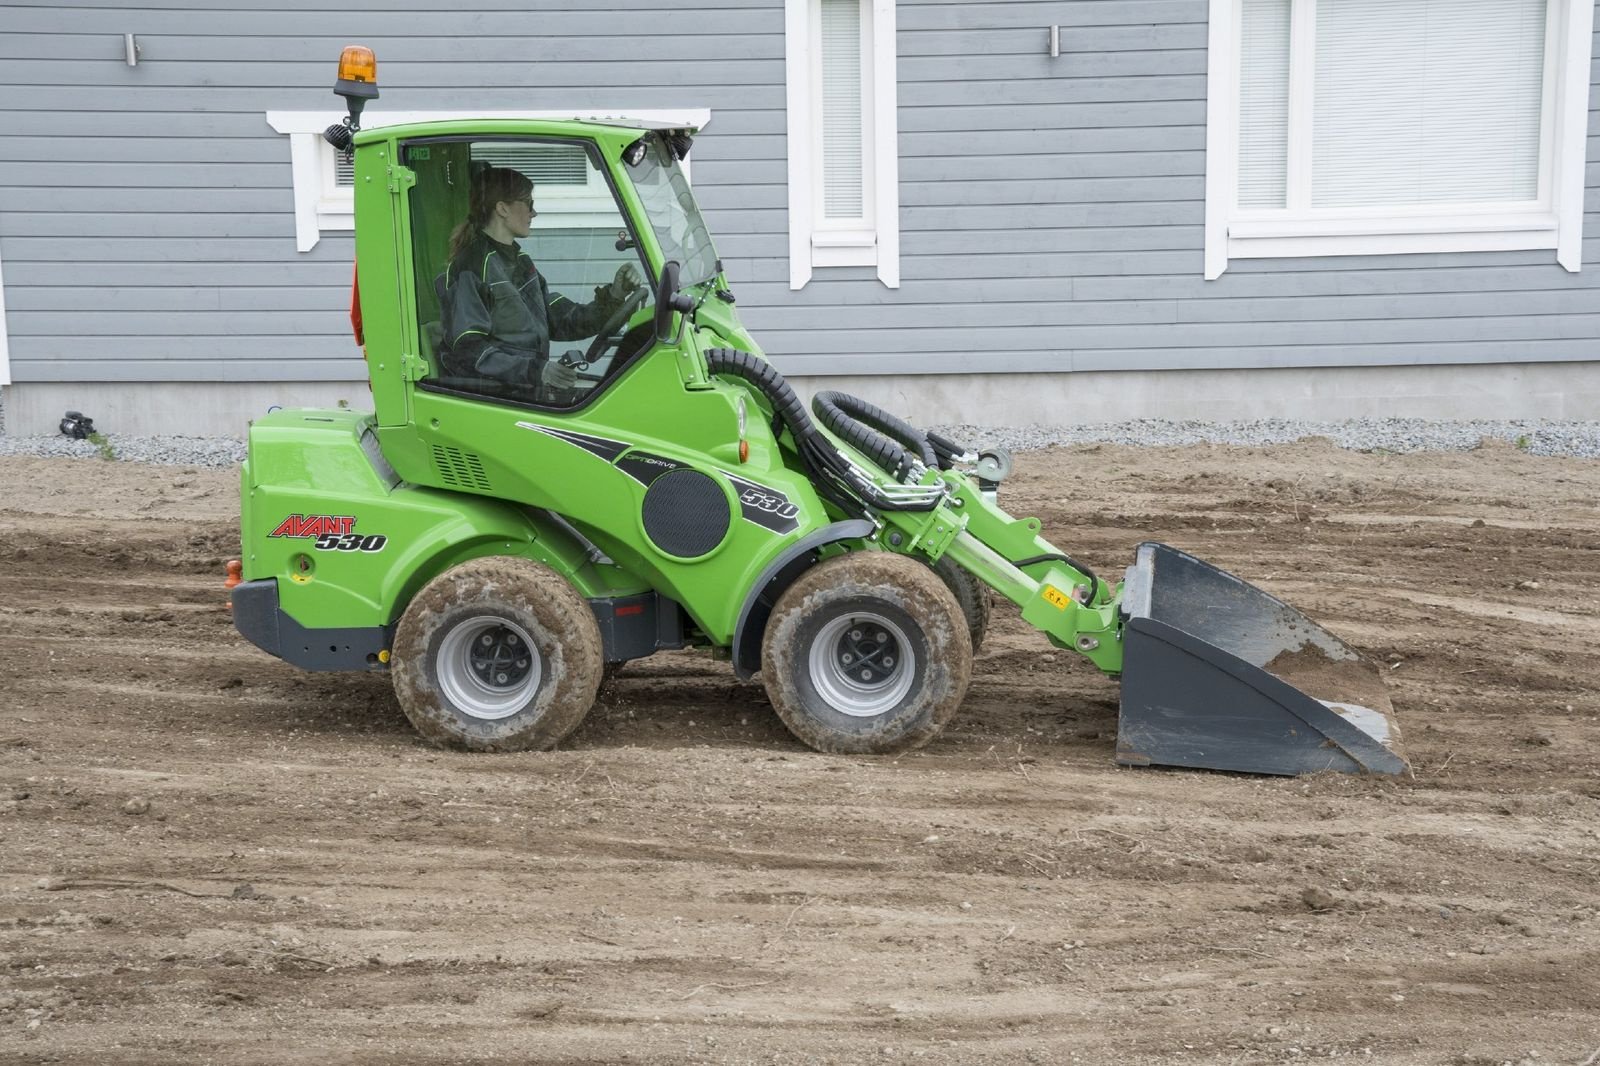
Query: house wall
column 1052, row 214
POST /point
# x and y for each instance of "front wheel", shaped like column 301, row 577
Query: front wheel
column 970, row 593
column 497, row 654
column 866, row 653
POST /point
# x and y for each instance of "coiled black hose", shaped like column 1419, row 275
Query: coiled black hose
column 856, row 420
column 830, row 471
column 947, row 450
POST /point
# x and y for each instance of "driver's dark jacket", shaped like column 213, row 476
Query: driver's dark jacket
column 498, row 316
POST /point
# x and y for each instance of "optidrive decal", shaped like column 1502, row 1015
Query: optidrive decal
column 645, row 468
column 766, row 507
column 605, row 449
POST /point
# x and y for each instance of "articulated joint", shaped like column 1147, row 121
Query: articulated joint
column 936, row 532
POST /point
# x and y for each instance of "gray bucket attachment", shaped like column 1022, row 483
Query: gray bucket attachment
column 1219, row 675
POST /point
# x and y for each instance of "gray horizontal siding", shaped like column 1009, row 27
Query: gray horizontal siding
column 1052, row 217
column 1052, row 210
column 186, row 268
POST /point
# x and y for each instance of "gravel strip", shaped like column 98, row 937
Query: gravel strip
column 1573, row 439
column 182, row 451
column 1579, row 440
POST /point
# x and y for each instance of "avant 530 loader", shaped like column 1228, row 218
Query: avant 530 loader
column 494, row 544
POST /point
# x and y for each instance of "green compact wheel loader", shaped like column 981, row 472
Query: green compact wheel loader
column 496, row 541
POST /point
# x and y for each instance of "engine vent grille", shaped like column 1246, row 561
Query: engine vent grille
column 459, row 469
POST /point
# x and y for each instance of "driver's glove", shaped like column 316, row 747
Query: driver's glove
column 557, row 375
column 624, row 283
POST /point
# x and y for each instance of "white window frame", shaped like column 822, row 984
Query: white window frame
column 813, row 241
column 1554, row 221
column 321, row 205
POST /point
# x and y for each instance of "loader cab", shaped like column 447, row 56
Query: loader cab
column 492, row 312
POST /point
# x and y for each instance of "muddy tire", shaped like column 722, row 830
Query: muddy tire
column 497, row 654
column 867, row 653
column 970, row 593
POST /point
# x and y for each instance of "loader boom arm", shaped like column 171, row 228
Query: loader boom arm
column 1056, row 594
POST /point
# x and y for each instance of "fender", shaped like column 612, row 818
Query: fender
column 793, row 561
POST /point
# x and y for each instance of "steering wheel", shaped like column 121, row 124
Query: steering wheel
column 611, row 333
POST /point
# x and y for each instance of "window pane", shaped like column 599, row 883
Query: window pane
column 841, row 109
column 516, row 249
column 671, row 210
column 1264, row 104
column 1427, row 101
column 545, row 164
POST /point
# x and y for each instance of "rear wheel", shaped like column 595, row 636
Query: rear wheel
column 866, row 653
column 497, row 654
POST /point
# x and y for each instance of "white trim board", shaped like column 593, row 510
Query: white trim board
column 5, row 345
column 1556, row 222
column 320, row 206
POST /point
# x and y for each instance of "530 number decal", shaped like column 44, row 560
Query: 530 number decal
column 765, row 501
column 351, row 542
column 766, row 507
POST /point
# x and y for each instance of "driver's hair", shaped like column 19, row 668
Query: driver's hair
column 490, row 186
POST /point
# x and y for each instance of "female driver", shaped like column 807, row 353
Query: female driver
column 498, row 314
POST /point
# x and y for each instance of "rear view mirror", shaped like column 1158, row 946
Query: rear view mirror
column 668, row 300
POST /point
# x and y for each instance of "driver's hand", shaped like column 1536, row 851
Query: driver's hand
column 557, row 375
column 624, row 283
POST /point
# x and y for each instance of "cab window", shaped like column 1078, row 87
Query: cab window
column 529, row 287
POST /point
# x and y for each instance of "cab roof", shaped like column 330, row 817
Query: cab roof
column 383, row 127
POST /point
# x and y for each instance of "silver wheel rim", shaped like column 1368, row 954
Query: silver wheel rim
column 861, row 664
column 489, row 667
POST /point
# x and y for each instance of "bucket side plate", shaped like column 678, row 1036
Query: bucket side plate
column 1219, row 675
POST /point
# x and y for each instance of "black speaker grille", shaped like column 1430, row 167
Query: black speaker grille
column 686, row 513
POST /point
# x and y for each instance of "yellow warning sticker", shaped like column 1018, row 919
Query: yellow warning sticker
column 1056, row 598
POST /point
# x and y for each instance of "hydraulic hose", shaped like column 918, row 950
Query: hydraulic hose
column 947, row 450
column 1057, row 557
column 830, row 471
column 855, row 420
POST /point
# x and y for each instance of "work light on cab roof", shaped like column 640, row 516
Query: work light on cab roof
column 357, row 83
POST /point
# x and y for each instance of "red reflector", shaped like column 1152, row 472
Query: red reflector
column 632, row 608
column 355, row 306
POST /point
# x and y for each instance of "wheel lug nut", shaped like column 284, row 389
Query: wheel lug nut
column 855, row 634
column 866, row 675
column 847, row 658
column 500, row 677
column 487, row 640
column 888, row 660
column 511, row 638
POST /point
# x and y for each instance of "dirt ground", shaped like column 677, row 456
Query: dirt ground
column 207, row 856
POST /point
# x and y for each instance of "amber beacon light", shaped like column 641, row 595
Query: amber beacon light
column 358, row 72
column 358, row 83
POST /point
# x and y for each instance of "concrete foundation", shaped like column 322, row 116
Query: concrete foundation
column 1476, row 391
